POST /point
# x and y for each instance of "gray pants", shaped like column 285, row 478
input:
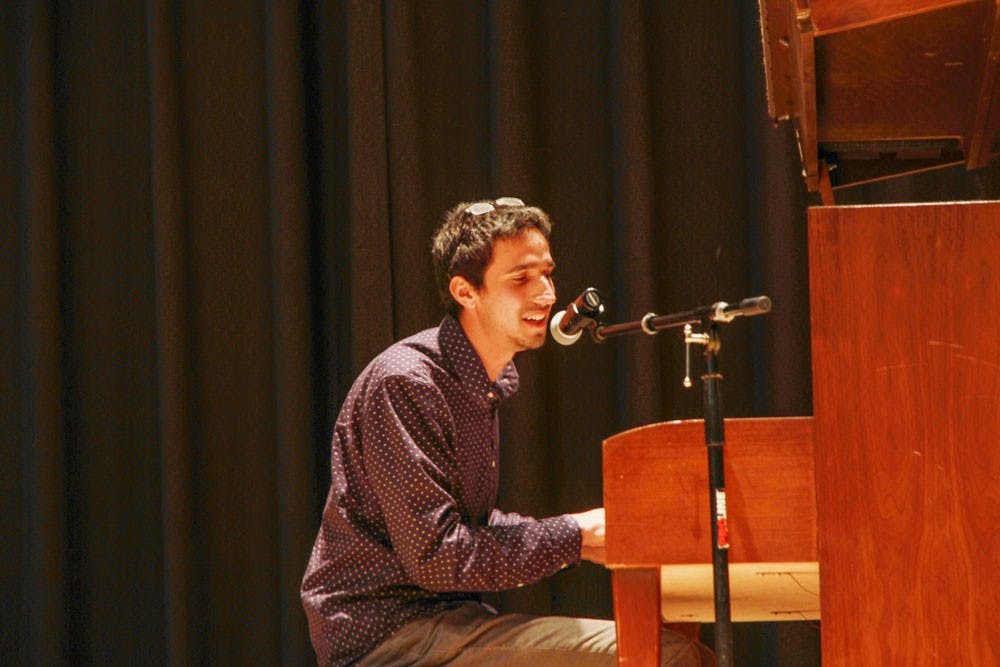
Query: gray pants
column 472, row 635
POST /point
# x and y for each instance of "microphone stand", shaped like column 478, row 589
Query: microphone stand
column 708, row 318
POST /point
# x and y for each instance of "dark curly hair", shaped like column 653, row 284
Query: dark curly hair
column 463, row 243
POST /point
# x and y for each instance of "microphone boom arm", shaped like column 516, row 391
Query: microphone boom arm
column 651, row 323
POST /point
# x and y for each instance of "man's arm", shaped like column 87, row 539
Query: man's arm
column 590, row 524
column 410, row 463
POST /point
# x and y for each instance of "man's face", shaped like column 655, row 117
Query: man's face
column 513, row 303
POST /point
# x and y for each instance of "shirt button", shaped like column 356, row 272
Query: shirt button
column 493, row 463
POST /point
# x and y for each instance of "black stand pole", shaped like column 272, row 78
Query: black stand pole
column 715, row 441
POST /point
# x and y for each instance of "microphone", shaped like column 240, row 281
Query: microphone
column 568, row 325
column 755, row 305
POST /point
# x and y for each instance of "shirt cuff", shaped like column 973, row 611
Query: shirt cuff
column 568, row 530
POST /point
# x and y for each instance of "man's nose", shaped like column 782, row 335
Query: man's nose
column 548, row 295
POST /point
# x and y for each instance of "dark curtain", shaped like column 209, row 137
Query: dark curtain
column 215, row 213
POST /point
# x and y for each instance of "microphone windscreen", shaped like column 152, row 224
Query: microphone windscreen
column 557, row 333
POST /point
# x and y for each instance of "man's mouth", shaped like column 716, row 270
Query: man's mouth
column 536, row 318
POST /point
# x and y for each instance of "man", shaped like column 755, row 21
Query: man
column 410, row 533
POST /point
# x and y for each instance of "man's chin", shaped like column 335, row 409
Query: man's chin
column 535, row 342
column 532, row 342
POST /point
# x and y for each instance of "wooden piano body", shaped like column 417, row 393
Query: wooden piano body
column 892, row 486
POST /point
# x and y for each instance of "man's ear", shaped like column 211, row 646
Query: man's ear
column 462, row 292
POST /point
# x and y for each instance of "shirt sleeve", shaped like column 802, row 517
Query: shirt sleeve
column 410, row 462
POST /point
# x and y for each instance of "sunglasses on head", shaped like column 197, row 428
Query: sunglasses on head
column 479, row 208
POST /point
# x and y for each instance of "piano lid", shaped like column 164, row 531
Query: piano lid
column 881, row 88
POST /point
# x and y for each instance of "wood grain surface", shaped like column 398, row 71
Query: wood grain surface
column 656, row 493
column 906, row 374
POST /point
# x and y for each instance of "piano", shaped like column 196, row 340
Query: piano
column 877, row 515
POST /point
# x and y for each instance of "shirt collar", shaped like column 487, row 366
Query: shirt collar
column 465, row 362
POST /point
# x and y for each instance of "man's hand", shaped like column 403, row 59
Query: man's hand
column 591, row 525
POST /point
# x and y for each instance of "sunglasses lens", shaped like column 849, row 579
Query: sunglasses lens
column 509, row 201
column 480, row 208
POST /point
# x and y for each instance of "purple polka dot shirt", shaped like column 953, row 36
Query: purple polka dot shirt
column 410, row 528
